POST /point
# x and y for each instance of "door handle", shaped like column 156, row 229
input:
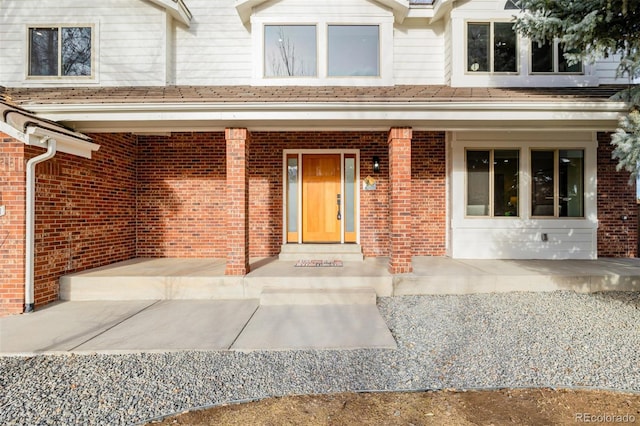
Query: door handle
column 338, row 203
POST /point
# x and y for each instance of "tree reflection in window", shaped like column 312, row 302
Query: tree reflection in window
column 60, row 51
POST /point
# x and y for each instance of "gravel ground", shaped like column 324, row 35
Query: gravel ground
column 559, row 339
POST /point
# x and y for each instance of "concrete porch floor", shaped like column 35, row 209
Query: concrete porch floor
column 170, row 278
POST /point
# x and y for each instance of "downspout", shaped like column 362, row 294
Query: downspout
column 31, row 221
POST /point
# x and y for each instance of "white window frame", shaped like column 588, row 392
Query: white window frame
column 491, row 207
column 491, row 23
column 556, row 62
column 61, row 78
column 522, row 237
column 385, row 28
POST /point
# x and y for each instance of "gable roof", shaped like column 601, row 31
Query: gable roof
column 400, row 8
column 176, row 8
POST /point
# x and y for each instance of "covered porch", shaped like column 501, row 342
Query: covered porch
column 172, row 278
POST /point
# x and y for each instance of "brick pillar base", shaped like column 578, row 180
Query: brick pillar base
column 237, row 201
column 12, row 225
column 400, row 200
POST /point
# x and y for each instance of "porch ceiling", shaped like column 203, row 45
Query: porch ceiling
column 189, row 108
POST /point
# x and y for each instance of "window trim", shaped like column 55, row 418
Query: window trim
column 556, row 183
column 385, row 52
column 61, row 78
column 491, row 23
column 556, row 62
column 491, row 213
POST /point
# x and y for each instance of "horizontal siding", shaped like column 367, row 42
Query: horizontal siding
column 418, row 54
column 130, row 39
column 310, row 9
column 215, row 49
column 524, row 243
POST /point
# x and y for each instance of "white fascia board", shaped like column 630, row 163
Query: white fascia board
column 13, row 132
column 399, row 8
column 66, row 144
column 601, row 116
column 177, row 9
column 36, row 136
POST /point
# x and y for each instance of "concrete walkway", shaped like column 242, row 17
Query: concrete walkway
column 173, row 325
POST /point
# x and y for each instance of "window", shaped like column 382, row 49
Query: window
column 558, row 183
column 492, row 182
column 353, row 50
column 491, row 47
column 290, row 50
column 321, row 50
column 60, row 51
column 549, row 58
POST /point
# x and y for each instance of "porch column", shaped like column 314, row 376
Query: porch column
column 237, row 201
column 400, row 199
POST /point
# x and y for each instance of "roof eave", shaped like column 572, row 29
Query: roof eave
column 400, row 8
column 440, row 115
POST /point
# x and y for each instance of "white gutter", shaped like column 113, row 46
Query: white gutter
column 31, row 222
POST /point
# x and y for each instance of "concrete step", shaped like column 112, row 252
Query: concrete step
column 317, row 296
column 344, row 252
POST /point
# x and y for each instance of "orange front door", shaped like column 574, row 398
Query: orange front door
column 320, row 194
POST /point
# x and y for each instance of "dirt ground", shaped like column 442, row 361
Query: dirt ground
column 496, row 407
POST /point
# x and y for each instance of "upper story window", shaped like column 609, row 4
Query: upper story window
column 62, row 51
column 353, row 50
column 292, row 50
column 491, row 47
column 549, row 58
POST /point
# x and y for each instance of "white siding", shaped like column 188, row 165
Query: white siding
column 137, row 43
column 129, row 39
column 419, row 53
column 215, row 49
column 327, row 8
column 521, row 237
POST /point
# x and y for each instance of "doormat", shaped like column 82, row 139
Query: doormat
column 318, row 263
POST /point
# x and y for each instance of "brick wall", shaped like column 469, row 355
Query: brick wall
column 85, row 211
column 12, row 225
column 181, row 187
column 181, row 195
column 616, row 198
column 428, row 189
column 265, row 188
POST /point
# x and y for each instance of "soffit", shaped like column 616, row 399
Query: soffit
column 176, row 8
column 209, row 108
column 400, row 8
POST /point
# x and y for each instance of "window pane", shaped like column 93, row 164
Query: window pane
column 477, row 183
column 505, row 183
column 289, row 50
column 571, row 178
column 349, row 194
column 478, row 47
column 504, row 51
column 76, row 51
column 563, row 66
column 542, row 196
column 292, row 194
column 43, row 51
column 354, row 50
column 541, row 57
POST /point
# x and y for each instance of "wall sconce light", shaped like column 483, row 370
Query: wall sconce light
column 376, row 164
